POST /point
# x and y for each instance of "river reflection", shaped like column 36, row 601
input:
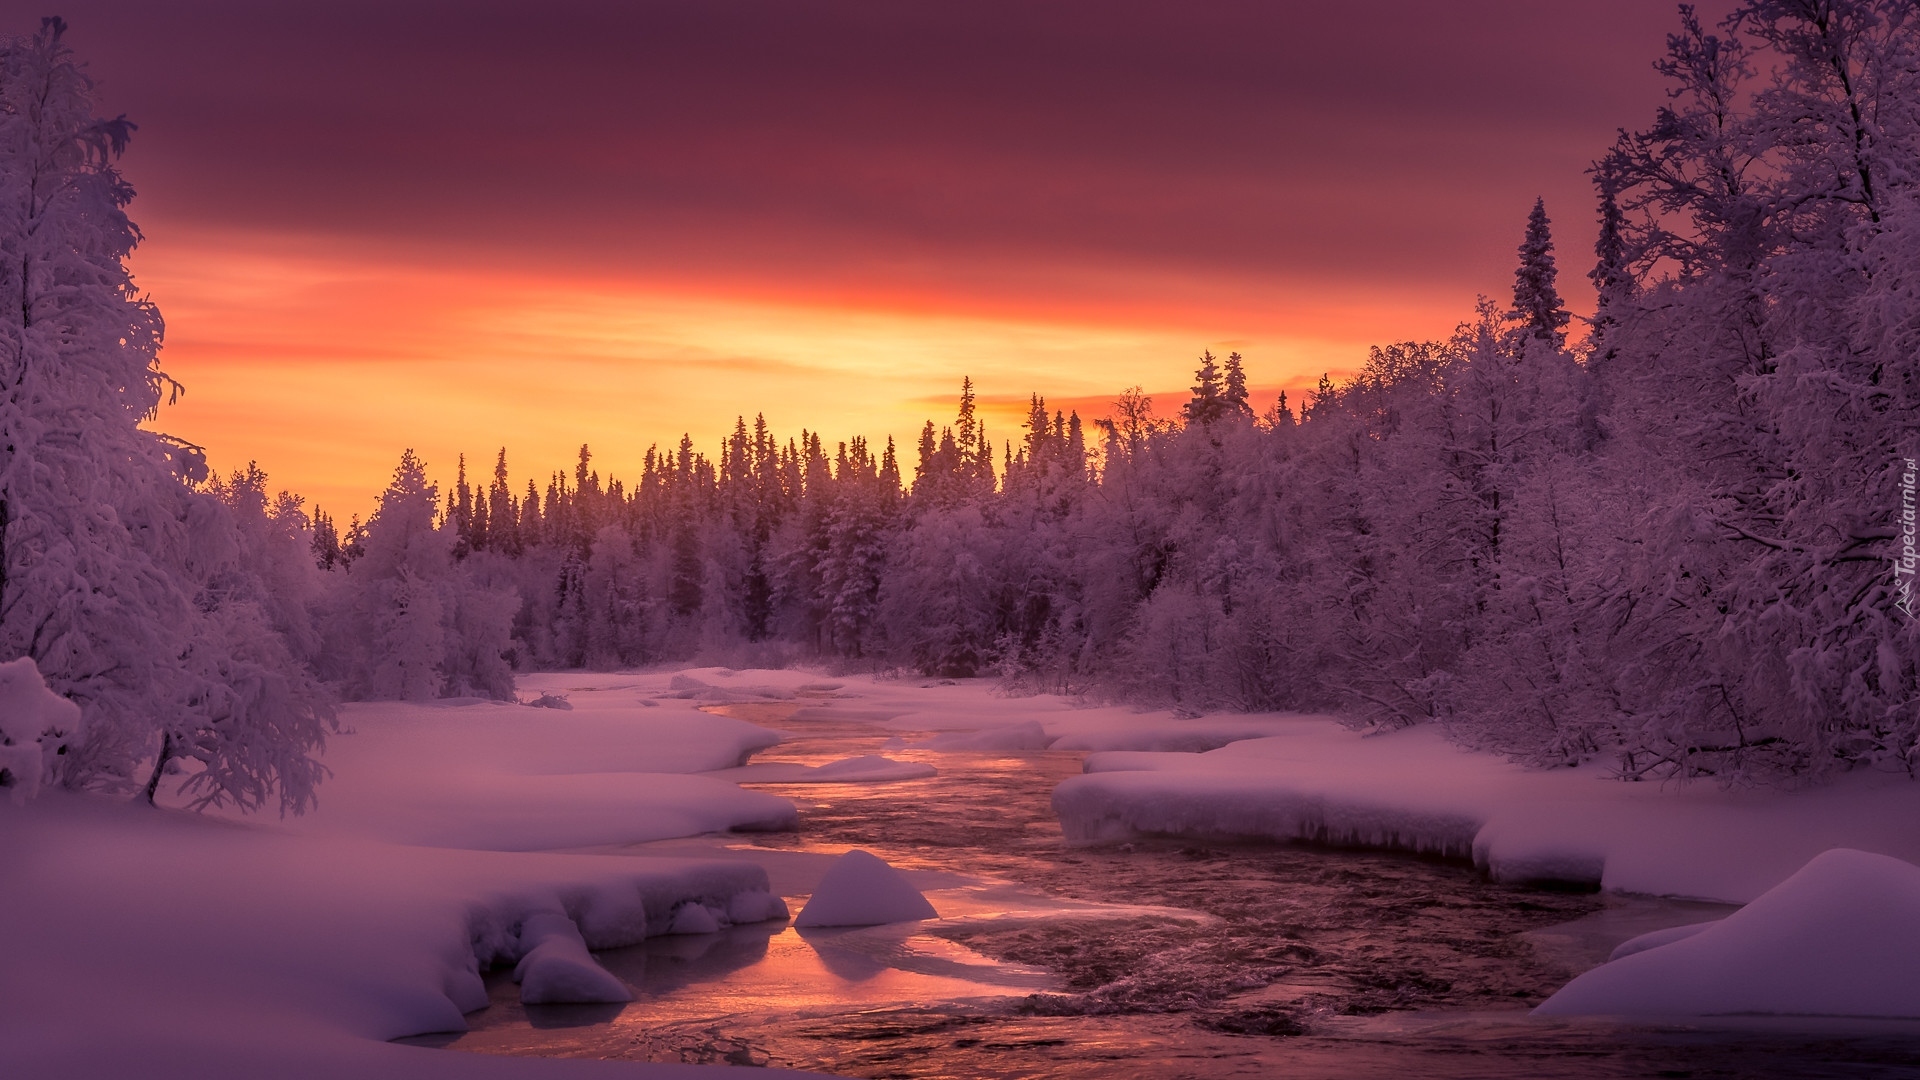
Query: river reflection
column 1157, row 960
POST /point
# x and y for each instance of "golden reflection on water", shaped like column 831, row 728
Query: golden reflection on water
column 1212, row 964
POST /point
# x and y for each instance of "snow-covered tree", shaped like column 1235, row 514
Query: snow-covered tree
column 131, row 592
column 411, row 623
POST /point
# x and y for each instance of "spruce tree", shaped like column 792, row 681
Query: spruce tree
column 1206, row 405
column 503, row 517
column 1536, row 301
column 1234, row 392
column 1611, row 275
column 326, row 540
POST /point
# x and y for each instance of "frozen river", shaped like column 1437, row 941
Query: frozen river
column 1158, row 959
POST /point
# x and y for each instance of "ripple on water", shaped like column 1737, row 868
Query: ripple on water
column 1160, row 959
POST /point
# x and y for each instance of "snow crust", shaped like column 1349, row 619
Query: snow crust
column 860, row 889
column 1841, row 937
column 1413, row 791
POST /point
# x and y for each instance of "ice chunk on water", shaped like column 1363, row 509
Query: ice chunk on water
column 860, row 889
column 1839, row 938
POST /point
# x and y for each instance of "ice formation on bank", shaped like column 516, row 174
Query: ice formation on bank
column 1839, row 938
column 860, row 889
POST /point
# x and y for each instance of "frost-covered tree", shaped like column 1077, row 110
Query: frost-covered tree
column 134, row 595
column 1665, row 547
column 410, row 622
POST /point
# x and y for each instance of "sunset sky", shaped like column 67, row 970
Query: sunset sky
column 457, row 226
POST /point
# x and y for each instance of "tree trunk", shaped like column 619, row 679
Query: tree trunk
column 159, row 767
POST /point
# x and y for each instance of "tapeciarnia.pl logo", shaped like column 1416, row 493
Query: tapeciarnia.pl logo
column 1903, row 562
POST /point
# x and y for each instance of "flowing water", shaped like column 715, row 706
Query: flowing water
column 1156, row 959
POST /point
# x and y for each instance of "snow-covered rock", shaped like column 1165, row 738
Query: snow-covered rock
column 1839, row 938
column 557, row 969
column 860, row 889
column 755, row 906
column 694, row 918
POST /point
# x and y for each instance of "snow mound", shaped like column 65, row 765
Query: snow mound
column 755, row 906
column 692, row 918
column 860, row 889
column 1028, row 735
column 874, row 767
column 1839, row 938
column 36, row 726
column 557, row 969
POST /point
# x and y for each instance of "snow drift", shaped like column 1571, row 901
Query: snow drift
column 1839, row 938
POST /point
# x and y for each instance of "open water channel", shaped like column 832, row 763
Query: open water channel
column 1158, row 959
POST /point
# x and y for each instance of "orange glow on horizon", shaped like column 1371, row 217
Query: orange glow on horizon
column 323, row 364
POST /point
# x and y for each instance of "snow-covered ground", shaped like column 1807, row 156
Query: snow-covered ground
column 164, row 943
column 455, row 835
column 616, row 768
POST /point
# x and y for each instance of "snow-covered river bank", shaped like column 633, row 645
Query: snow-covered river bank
column 1157, row 958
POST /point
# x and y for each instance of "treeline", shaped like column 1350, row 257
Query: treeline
column 1679, row 541
column 1673, row 542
